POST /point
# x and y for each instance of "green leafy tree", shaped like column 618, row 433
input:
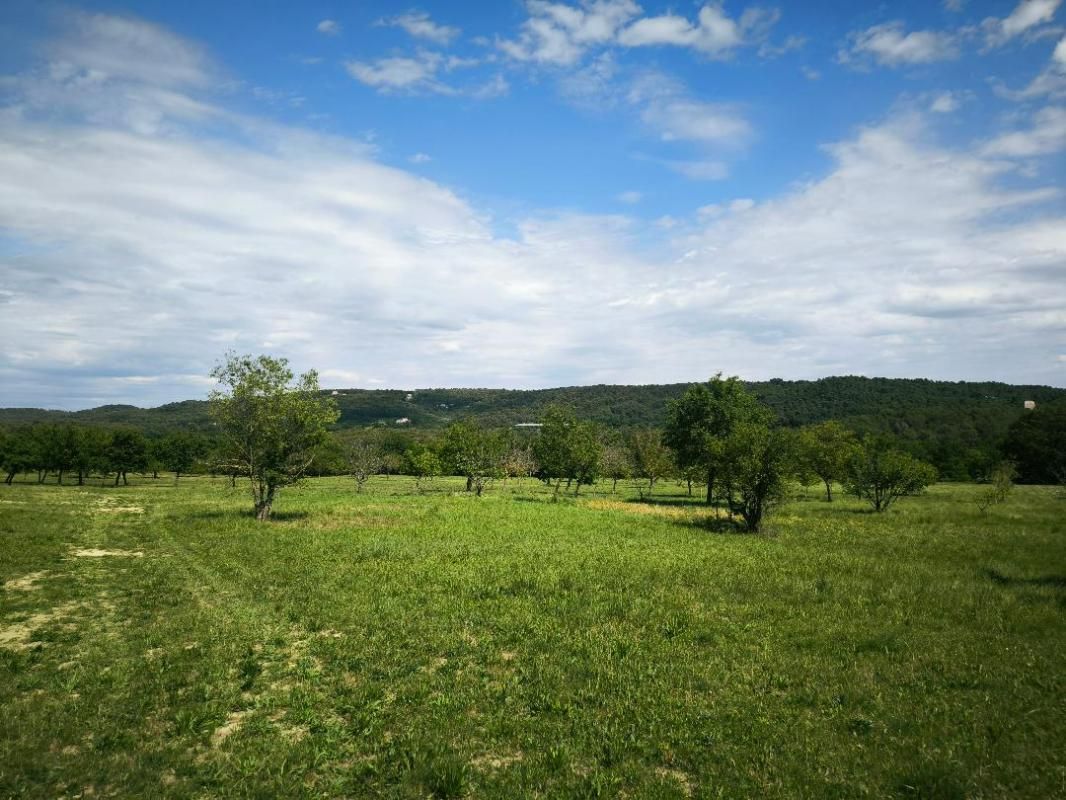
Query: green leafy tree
column 616, row 464
column 567, row 449
column 19, row 453
column 1036, row 443
column 698, row 421
column 271, row 424
column 824, row 452
column 651, row 458
column 755, row 461
column 474, row 453
column 1000, row 484
column 180, row 451
column 881, row 474
column 127, row 451
column 421, row 462
column 90, row 452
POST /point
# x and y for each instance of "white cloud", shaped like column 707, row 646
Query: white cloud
column 715, row 33
column 100, row 46
column 420, row 25
column 891, row 45
column 559, row 34
column 138, row 253
column 946, row 103
column 1046, row 135
column 1026, row 16
column 631, row 197
column 419, row 158
column 329, row 27
column 400, row 72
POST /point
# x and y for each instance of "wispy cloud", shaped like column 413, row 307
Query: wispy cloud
column 329, row 27
column 890, row 44
column 420, row 25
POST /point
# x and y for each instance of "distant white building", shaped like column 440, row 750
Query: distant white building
column 403, row 421
column 409, row 397
column 528, row 425
column 334, row 393
column 1030, row 405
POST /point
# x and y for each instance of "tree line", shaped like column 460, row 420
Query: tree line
column 718, row 436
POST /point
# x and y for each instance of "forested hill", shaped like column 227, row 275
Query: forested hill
column 902, row 406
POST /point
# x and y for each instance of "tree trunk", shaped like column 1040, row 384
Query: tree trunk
column 828, row 492
column 59, row 478
column 690, row 487
column 10, row 478
column 614, row 487
column 125, row 479
column 710, row 487
column 469, row 482
column 117, row 476
column 263, row 504
column 40, row 476
column 81, row 478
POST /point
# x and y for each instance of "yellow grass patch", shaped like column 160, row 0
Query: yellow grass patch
column 26, row 582
column 646, row 509
column 16, row 635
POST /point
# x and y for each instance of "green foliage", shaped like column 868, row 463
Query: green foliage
column 477, row 454
column 699, row 421
column 127, row 451
column 1000, row 484
column 567, row 448
column 824, row 452
column 755, row 461
column 880, row 474
column 1036, row 443
column 179, row 451
column 651, row 458
column 271, row 425
column 421, row 462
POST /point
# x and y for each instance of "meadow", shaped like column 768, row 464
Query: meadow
column 156, row 641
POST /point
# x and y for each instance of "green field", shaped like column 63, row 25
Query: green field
column 155, row 641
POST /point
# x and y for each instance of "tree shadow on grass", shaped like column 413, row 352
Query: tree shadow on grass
column 715, row 525
column 1052, row 581
column 247, row 513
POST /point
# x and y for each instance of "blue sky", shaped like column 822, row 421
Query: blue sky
column 528, row 193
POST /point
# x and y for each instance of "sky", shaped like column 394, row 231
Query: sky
column 528, row 194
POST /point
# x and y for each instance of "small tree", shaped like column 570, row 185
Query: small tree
column 271, row 425
column 881, row 475
column 755, row 460
column 474, row 453
column 567, row 449
column 651, row 458
column 421, row 462
column 126, row 452
column 180, row 450
column 824, row 451
column 1000, row 484
column 364, row 461
column 616, row 464
column 19, row 453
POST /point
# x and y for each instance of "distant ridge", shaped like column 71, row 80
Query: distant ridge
column 874, row 402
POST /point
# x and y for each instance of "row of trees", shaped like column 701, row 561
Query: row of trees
column 78, row 451
column 273, row 430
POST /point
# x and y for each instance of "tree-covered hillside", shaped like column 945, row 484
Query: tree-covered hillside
column 901, row 406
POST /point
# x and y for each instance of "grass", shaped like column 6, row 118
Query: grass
column 390, row 644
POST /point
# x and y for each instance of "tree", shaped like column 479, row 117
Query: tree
column 651, row 458
column 697, row 421
column 616, row 464
column 90, row 452
column 421, row 462
column 1000, row 484
column 1036, row 443
column 126, row 452
column 179, row 451
column 824, row 451
column 881, row 474
column 364, row 461
column 474, row 453
column 271, row 425
column 519, row 462
column 567, row 449
column 19, row 453
column 755, row 461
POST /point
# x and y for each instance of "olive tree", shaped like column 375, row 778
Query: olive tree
column 271, row 424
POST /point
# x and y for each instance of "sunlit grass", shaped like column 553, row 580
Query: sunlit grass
column 407, row 645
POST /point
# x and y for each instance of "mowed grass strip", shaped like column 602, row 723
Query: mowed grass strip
column 157, row 641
